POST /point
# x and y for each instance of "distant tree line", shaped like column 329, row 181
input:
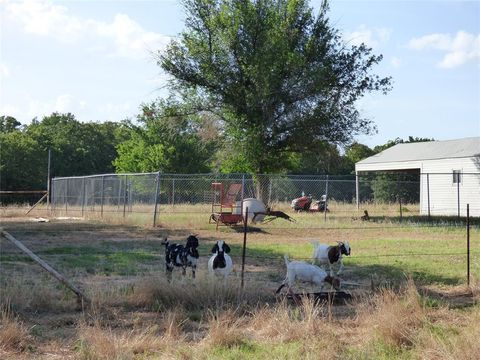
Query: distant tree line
column 159, row 140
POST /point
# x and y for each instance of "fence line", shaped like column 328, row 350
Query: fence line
column 429, row 194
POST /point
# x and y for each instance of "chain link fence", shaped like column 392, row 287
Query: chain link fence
column 386, row 194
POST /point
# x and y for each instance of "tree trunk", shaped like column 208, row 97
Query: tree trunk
column 262, row 182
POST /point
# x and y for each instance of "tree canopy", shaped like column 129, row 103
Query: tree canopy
column 168, row 142
column 281, row 78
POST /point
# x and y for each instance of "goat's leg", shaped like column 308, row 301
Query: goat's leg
column 169, row 274
column 330, row 268
column 340, row 270
column 280, row 288
column 194, row 268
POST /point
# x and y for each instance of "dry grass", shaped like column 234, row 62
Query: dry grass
column 96, row 343
column 22, row 291
column 140, row 315
column 14, row 336
column 203, row 293
column 393, row 319
column 225, row 329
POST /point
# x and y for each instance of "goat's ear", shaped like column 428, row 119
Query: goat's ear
column 226, row 248
column 215, row 249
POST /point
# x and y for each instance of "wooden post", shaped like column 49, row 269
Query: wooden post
column 468, row 244
column 38, row 202
column 245, row 222
column 44, row 265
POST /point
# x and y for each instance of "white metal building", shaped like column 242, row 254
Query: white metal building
column 449, row 173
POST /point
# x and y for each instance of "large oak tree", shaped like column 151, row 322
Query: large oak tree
column 282, row 78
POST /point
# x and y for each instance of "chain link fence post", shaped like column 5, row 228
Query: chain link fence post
column 157, row 191
column 468, row 244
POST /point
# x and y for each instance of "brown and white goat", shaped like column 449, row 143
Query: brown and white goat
column 330, row 254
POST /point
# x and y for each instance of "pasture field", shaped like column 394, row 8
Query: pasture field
column 419, row 305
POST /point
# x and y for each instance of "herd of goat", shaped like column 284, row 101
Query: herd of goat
column 220, row 263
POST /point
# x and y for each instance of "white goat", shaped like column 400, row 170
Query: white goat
column 220, row 263
column 328, row 254
column 299, row 270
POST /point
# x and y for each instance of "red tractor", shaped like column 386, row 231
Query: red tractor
column 304, row 203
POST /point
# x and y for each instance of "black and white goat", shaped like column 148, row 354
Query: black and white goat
column 301, row 271
column 220, row 263
column 181, row 256
column 330, row 254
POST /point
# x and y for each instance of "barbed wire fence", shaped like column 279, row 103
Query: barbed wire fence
column 157, row 195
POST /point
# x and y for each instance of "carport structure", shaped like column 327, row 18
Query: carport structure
column 449, row 173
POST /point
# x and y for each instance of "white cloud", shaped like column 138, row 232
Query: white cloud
column 460, row 49
column 116, row 111
column 4, row 70
column 395, row 62
column 43, row 18
column 63, row 103
column 371, row 37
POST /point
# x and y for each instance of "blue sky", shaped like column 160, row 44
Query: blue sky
column 94, row 59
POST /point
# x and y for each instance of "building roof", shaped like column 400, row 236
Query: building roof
column 429, row 150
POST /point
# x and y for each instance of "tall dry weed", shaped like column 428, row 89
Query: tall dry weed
column 393, row 318
column 458, row 337
column 14, row 336
column 97, row 343
column 225, row 329
column 203, row 293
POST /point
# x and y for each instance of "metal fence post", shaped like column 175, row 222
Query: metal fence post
column 269, row 190
column 103, row 195
column 468, row 244
column 53, row 201
column 66, row 196
column 400, row 204
column 48, row 179
column 243, row 193
column 428, row 195
column 173, row 190
column 83, row 196
column 326, row 199
column 119, row 192
column 245, row 221
column 357, row 190
column 157, row 190
column 458, row 196
column 125, row 196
